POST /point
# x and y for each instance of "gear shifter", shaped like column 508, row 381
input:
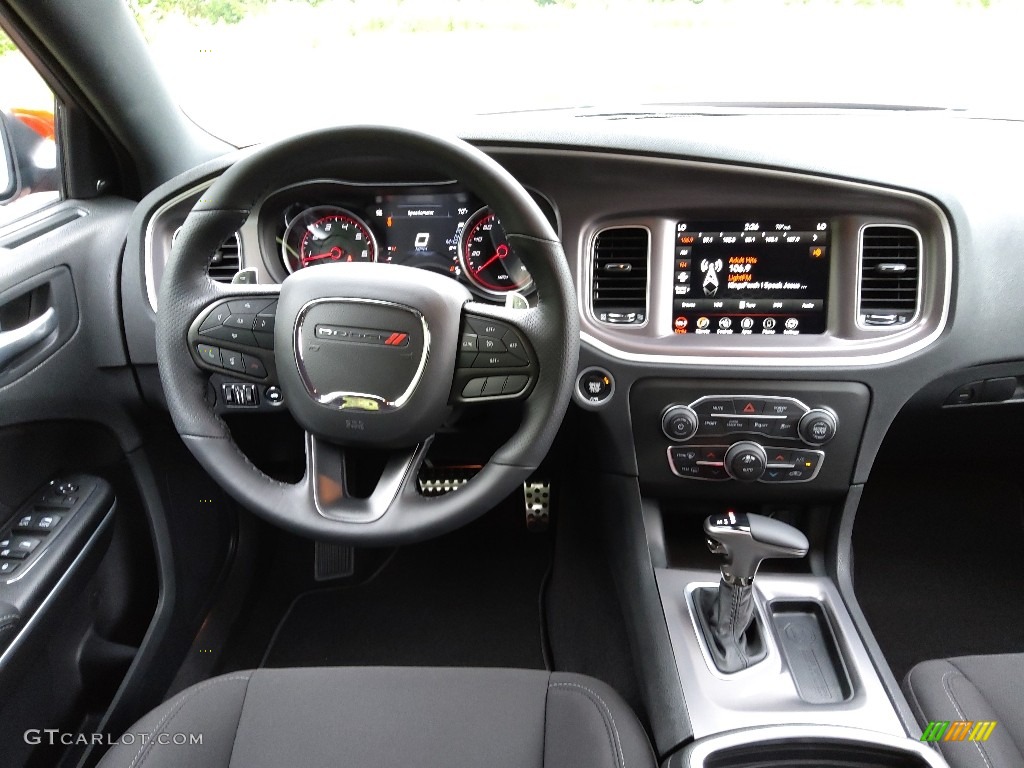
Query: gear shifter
column 727, row 614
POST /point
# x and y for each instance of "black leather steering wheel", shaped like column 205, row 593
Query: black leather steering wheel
column 366, row 355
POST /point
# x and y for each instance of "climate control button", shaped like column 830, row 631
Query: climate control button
column 679, row 423
column 746, row 461
column 818, row 426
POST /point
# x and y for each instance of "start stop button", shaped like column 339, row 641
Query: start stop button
column 595, row 387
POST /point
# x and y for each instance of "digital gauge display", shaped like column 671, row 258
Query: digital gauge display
column 752, row 278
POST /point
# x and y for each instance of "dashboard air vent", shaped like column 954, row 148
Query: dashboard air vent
column 619, row 277
column 890, row 259
column 225, row 263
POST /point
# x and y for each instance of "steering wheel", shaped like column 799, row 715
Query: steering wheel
column 365, row 355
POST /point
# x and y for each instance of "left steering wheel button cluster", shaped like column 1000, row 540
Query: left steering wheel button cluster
column 243, row 322
column 247, row 322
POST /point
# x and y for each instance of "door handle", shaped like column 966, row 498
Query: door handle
column 17, row 340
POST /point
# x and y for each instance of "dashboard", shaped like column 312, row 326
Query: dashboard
column 707, row 270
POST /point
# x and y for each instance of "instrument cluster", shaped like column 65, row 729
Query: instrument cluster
column 439, row 228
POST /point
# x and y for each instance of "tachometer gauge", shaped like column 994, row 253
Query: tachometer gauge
column 326, row 235
column 488, row 261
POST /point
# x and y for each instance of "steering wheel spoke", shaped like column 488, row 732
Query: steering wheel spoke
column 327, row 472
column 496, row 358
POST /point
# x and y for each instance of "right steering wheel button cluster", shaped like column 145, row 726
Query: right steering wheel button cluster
column 497, row 347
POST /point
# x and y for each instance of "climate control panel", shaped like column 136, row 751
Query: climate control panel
column 745, row 461
column 720, row 415
column 756, row 439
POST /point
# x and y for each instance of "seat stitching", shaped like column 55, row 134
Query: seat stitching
column 544, row 735
column 956, row 705
column 238, row 725
column 606, row 716
column 10, row 616
column 147, row 744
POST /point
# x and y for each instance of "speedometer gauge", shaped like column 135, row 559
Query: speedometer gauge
column 488, row 260
column 326, row 235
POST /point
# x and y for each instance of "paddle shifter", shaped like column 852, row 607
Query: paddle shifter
column 734, row 636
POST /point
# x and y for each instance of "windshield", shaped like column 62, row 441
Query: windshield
column 250, row 70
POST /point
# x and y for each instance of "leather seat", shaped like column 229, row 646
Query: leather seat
column 973, row 688
column 368, row 717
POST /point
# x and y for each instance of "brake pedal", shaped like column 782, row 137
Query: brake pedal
column 537, row 505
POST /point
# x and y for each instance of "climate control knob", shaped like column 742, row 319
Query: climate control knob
column 679, row 422
column 817, row 426
column 745, row 461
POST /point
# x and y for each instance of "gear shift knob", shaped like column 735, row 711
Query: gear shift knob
column 745, row 540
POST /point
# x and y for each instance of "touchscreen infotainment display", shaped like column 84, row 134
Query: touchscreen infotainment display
column 756, row 277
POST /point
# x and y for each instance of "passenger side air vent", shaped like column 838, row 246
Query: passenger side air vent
column 226, row 261
column 619, row 275
column 890, row 259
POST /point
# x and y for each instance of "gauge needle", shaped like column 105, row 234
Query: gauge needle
column 500, row 253
column 335, row 253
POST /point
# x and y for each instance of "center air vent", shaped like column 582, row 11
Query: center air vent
column 226, row 261
column 890, row 259
column 619, row 276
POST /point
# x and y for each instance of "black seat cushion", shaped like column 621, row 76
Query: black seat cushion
column 372, row 717
column 973, row 688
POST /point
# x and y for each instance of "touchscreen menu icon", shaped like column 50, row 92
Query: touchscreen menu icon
column 711, row 270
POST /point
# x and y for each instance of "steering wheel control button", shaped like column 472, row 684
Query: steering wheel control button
column 232, row 361
column 489, row 344
column 494, row 386
column 515, row 384
column 264, row 324
column 254, row 366
column 679, row 423
column 216, row 318
column 595, row 386
column 249, row 306
column 8, row 567
column 245, row 322
column 242, row 337
column 484, row 327
column 818, row 426
column 474, row 387
column 209, row 355
column 514, row 345
column 746, row 461
column 467, row 343
column 498, row 360
column 240, row 395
